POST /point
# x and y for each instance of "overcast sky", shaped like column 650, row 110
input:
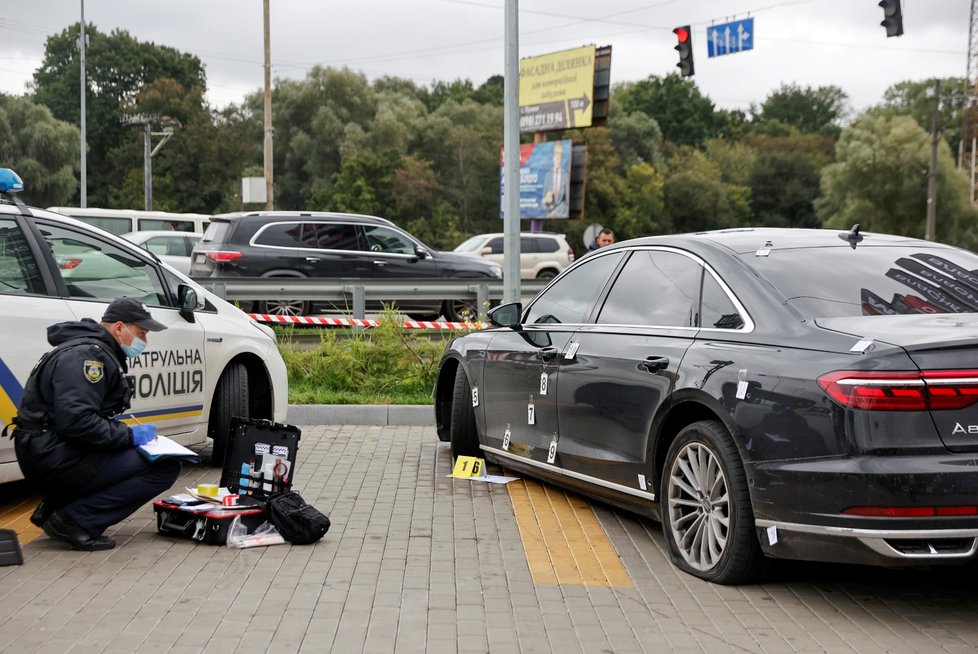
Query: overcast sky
column 808, row 42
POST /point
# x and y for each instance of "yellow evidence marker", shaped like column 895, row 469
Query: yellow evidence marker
column 468, row 466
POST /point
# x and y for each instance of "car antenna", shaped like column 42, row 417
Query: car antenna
column 853, row 236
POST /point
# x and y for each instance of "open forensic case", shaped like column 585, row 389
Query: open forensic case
column 259, row 462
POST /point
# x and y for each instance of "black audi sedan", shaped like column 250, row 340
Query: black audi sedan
column 797, row 394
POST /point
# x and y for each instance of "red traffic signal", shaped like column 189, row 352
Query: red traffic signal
column 892, row 17
column 685, row 50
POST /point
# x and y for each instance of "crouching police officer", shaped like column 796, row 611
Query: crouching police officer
column 68, row 441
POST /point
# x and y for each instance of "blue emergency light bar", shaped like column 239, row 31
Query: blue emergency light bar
column 10, row 182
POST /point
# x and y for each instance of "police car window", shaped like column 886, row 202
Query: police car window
column 570, row 297
column 654, row 288
column 19, row 273
column 385, row 239
column 97, row 270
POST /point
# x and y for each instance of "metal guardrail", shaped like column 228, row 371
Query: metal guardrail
column 355, row 292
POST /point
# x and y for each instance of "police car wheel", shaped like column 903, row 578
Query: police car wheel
column 230, row 400
column 284, row 307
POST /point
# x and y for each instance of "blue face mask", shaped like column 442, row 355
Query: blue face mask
column 135, row 348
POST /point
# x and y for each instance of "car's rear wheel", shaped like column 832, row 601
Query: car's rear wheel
column 427, row 317
column 461, row 310
column 462, row 430
column 706, row 513
column 230, row 400
column 284, row 307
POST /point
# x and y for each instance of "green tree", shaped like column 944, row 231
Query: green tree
column 44, row 151
column 784, row 185
column 917, row 99
column 879, row 180
column 696, row 197
column 685, row 116
column 117, row 67
column 808, row 109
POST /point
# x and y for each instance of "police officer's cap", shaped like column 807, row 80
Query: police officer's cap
column 131, row 310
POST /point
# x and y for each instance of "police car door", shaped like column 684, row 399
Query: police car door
column 28, row 304
column 168, row 378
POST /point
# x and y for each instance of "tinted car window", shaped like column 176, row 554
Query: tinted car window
column 385, row 239
column 547, row 245
column 154, row 224
column 716, row 308
column 873, row 280
column 94, row 269
column 528, row 244
column 568, row 299
column 496, row 245
column 18, row 269
column 330, row 236
column 654, row 288
column 283, row 235
column 217, row 232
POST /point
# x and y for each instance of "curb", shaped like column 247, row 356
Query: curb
column 361, row 414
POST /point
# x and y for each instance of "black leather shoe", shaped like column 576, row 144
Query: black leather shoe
column 41, row 513
column 63, row 529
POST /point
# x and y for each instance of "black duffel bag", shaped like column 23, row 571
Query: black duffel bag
column 298, row 522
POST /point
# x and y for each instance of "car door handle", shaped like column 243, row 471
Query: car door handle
column 547, row 353
column 380, row 264
column 312, row 259
column 655, row 364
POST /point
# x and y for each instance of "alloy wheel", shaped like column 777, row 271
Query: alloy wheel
column 699, row 506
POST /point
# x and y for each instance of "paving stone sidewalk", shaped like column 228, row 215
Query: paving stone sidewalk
column 418, row 562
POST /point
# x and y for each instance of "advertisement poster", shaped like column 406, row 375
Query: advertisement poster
column 545, row 172
column 557, row 90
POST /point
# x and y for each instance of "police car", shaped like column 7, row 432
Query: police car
column 212, row 363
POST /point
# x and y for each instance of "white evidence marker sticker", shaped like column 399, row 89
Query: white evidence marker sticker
column 861, row 346
column 741, row 390
column 572, row 350
column 552, row 452
column 641, row 482
column 531, row 416
column 475, row 397
column 772, row 535
column 544, row 381
column 506, row 437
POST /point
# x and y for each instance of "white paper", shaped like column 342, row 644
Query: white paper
column 741, row 390
column 641, row 482
column 163, row 446
column 861, row 346
column 492, row 479
column 772, row 535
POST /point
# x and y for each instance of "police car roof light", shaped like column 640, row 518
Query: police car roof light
column 10, row 181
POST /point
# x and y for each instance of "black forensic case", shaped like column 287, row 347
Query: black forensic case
column 256, row 444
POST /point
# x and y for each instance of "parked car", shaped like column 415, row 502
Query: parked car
column 211, row 363
column 330, row 245
column 799, row 394
column 172, row 247
column 122, row 221
column 542, row 255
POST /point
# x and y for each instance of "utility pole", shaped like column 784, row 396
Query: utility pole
column 511, row 154
column 83, row 92
column 932, row 174
column 268, row 110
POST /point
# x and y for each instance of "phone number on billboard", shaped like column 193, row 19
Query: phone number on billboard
column 555, row 118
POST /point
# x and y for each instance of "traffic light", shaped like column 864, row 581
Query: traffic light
column 685, row 50
column 892, row 17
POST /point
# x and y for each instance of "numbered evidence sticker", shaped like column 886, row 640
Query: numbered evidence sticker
column 544, row 381
column 475, row 396
column 531, row 414
column 506, row 436
column 552, row 452
column 468, row 466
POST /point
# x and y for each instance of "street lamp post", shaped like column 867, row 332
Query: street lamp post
column 83, row 92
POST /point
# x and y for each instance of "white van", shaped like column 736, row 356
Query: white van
column 212, row 362
column 122, row 221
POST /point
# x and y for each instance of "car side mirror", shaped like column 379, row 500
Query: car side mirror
column 189, row 302
column 486, row 250
column 506, row 315
column 421, row 252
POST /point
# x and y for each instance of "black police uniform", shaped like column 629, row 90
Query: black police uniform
column 70, row 445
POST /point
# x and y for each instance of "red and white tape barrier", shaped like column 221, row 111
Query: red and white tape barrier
column 356, row 322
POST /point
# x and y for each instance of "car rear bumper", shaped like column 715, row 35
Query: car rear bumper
column 799, row 508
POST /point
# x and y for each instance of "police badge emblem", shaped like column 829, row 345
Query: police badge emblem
column 94, row 371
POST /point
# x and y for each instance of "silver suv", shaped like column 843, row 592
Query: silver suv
column 543, row 255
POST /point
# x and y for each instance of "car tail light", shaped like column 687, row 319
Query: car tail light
column 70, row 263
column 570, row 254
column 910, row 511
column 222, row 255
column 902, row 391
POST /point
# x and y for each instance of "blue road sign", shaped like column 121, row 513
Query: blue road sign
column 729, row 38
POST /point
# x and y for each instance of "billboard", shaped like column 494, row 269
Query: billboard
column 556, row 90
column 545, row 180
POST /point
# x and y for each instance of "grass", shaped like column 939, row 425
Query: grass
column 381, row 365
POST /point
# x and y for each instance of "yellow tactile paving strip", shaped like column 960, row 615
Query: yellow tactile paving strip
column 15, row 511
column 563, row 540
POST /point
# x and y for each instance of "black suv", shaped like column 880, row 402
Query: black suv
column 331, row 245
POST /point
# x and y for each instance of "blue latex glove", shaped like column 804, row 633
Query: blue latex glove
column 142, row 434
